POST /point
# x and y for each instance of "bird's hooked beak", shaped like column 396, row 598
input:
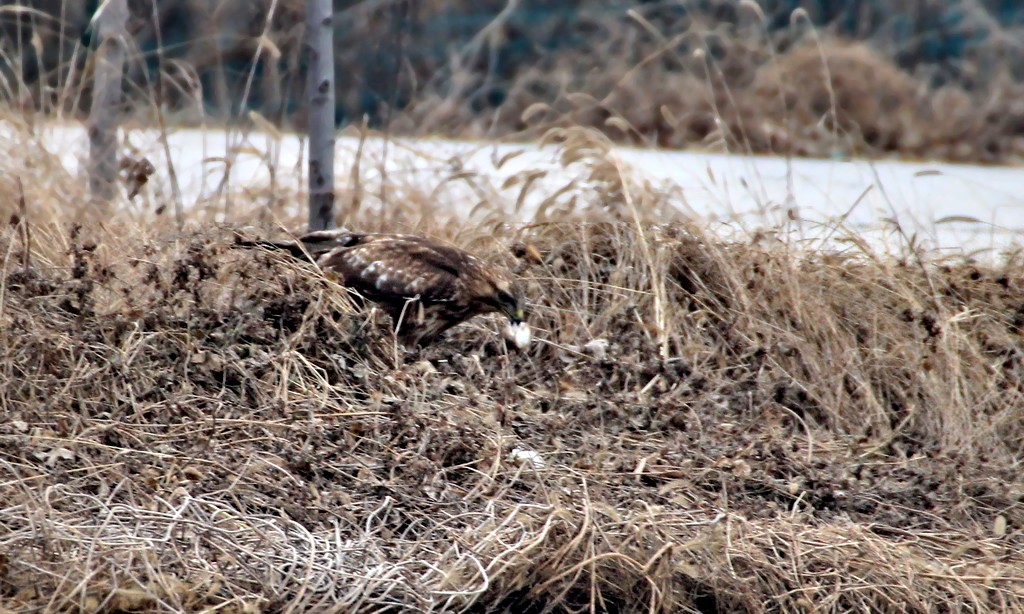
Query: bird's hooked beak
column 515, row 312
column 518, row 331
column 508, row 301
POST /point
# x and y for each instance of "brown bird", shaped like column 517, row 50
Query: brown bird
column 425, row 286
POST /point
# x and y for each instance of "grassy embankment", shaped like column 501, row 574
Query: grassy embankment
column 769, row 428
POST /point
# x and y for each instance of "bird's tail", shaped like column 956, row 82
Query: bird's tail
column 308, row 246
column 292, row 247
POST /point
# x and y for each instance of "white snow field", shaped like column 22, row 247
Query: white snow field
column 954, row 208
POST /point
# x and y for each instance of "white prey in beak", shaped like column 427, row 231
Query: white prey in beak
column 519, row 334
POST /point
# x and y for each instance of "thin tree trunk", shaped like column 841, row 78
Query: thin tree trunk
column 110, row 26
column 320, row 98
column 205, row 53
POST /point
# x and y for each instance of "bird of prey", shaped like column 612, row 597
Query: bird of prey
column 424, row 285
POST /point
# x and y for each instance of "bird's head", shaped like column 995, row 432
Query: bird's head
column 502, row 294
column 507, row 299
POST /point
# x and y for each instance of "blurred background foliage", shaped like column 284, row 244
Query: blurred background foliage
column 674, row 71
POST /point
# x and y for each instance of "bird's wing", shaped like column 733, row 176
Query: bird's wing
column 399, row 269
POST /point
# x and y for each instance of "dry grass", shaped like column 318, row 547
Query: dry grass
column 721, row 426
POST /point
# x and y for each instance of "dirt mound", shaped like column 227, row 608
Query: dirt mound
column 703, row 427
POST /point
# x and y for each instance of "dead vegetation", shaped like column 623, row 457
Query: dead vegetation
column 704, row 425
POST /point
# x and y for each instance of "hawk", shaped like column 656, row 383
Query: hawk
column 425, row 286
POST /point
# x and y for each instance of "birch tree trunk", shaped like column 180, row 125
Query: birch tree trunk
column 320, row 98
column 110, row 24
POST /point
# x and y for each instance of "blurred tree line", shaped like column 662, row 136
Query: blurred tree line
column 222, row 57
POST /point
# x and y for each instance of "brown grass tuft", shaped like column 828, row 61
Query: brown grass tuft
column 837, row 95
